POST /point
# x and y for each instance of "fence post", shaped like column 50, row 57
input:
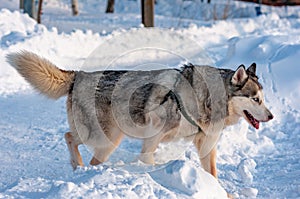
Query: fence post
column 147, row 7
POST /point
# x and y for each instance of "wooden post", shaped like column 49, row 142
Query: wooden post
column 147, row 12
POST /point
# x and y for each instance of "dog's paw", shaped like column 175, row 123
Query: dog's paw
column 230, row 196
column 95, row 161
column 147, row 158
column 75, row 164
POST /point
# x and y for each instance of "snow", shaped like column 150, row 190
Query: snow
column 251, row 163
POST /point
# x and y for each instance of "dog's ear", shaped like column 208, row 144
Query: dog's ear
column 239, row 76
column 252, row 69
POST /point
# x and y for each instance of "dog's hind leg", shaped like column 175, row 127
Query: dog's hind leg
column 76, row 159
column 102, row 153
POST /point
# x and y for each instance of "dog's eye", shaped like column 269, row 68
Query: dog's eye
column 256, row 99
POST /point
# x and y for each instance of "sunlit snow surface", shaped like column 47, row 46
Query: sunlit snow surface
column 252, row 164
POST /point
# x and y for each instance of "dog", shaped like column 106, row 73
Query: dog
column 192, row 102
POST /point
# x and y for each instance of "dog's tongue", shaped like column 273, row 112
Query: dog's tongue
column 252, row 120
column 256, row 124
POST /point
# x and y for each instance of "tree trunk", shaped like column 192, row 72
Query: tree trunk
column 39, row 11
column 147, row 13
column 21, row 4
column 29, row 8
column 75, row 7
column 110, row 6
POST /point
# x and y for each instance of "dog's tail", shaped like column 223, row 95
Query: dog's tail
column 42, row 74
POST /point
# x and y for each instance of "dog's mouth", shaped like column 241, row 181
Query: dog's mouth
column 254, row 122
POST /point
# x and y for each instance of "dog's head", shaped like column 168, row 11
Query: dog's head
column 247, row 98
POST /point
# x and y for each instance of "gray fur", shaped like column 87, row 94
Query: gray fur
column 146, row 104
column 125, row 97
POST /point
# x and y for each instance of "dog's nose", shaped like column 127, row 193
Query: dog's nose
column 270, row 117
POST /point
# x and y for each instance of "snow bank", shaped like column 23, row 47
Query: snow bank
column 184, row 176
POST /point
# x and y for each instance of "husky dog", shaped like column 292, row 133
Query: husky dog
column 157, row 106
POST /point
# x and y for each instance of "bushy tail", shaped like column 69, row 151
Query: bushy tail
column 42, row 74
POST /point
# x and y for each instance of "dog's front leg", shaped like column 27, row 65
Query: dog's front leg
column 102, row 153
column 148, row 149
column 207, row 153
column 209, row 162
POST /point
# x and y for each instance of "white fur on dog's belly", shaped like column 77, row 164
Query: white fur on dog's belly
column 176, row 142
column 184, row 130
